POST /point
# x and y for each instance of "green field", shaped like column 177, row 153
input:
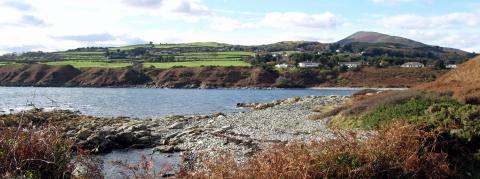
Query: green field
column 87, row 64
column 197, row 64
column 106, row 64
column 167, row 46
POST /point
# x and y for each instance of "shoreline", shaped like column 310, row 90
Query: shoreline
column 222, row 88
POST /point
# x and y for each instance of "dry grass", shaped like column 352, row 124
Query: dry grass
column 464, row 82
column 401, row 150
column 30, row 152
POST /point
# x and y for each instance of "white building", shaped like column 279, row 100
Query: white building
column 451, row 66
column 350, row 64
column 413, row 65
column 283, row 65
column 308, row 65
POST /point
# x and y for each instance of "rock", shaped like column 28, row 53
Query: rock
column 84, row 133
column 177, row 125
column 264, row 106
column 172, row 135
column 164, row 149
column 216, row 114
column 125, row 138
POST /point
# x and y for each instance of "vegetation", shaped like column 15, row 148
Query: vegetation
column 87, row 64
column 197, row 64
column 382, row 155
column 33, row 145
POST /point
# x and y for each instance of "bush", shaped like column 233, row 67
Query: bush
column 34, row 153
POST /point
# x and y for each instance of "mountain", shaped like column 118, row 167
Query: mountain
column 375, row 37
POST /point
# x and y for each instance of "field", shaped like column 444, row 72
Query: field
column 106, row 64
column 82, row 55
column 86, row 64
column 212, row 56
column 197, row 64
column 167, row 46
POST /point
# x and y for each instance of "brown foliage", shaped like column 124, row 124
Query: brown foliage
column 400, row 150
column 464, row 82
column 38, row 152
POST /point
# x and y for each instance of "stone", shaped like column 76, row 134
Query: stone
column 164, row 149
column 177, row 125
column 216, row 114
column 84, row 133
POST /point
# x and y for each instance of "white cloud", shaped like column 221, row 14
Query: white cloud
column 167, row 7
column 412, row 21
column 462, row 40
column 298, row 19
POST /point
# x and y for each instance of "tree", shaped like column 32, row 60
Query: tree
column 440, row 64
column 139, row 51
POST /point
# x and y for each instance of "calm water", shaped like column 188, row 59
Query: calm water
column 143, row 103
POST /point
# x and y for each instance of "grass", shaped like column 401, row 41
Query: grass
column 88, row 64
column 168, row 46
column 196, row 64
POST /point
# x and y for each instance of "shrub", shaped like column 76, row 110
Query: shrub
column 34, row 153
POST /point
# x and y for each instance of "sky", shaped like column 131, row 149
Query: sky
column 54, row 25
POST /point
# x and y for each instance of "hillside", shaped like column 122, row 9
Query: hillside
column 375, row 37
column 209, row 77
column 464, row 82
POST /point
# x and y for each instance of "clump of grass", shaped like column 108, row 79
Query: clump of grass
column 34, row 153
column 322, row 109
column 33, row 145
column 401, row 150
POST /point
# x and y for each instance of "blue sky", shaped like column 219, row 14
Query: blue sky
column 51, row 25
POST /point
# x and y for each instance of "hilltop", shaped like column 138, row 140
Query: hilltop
column 375, row 37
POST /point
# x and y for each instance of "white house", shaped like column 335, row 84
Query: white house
column 350, row 64
column 283, row 65
column 413, row 65
column 308, row 65
column 451, row 66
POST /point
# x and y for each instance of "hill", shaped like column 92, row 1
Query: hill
column 464, row 82
column 375, row 37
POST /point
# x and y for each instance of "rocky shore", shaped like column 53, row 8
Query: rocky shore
column 243, row 133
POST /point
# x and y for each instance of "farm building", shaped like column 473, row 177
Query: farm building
column 413, row 65
column 451, row 66
column 350, row 64
column 308, row 65
column 284, row 65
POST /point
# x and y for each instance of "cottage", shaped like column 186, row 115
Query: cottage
column 284, row 65
column 451, row 66
column 308, row 65
column 350, row 64
column 413, row 65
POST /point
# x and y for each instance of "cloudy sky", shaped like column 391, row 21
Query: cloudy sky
column 52, row 25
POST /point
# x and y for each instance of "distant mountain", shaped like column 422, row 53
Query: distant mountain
column 375, row 37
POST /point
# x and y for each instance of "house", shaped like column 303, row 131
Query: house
column 451, row 66
column 350, row 64
column 308, row 65
column 284, row 65
column 413, row 65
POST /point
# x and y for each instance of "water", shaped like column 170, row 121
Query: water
column 144, row 103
